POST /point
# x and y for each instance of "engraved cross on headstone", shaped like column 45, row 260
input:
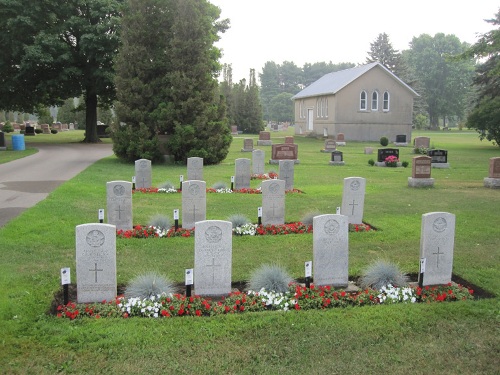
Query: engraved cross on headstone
column 95, row 270
column 213, row 269
column 274, row 207
column 437, row 257
column 194, row 212
column 119, row 212
column 353, row 204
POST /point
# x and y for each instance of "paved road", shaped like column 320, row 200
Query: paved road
column 25, row 182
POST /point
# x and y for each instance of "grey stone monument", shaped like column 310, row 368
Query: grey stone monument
column 421, row 172
column 194, row 202
column 437, row 240
column 273, row 202
column 119, row 204
column 195, row 168
column 143, row 174
column 95, row 262
column 286, row 173
column 258, row 161
column 247, row 145
column 213, row 248
column 353, row 199
column 331, row 250
column 242, row 173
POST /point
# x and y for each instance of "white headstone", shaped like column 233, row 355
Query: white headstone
column 273, row 202
column 353, row 199
column 331, row 250
column 213, row 257
column 194, row 202
column 119, row 204
column 143, row 174
column 195, row 168
column 286, row 173
column 95, row 262
column 437, row 240
column 258, row 163
column 242, row 173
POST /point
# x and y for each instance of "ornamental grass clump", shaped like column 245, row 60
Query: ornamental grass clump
column 271, row 278
column 238, row 220
column 160, row 221
column 219, row 185
column 381, row 274
column 308, row 218
column 167, row 185
column 149, row 285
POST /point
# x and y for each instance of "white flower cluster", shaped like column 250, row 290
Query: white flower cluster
column 161, row 232
column 169, row 190
column 274, row 300
column 148, row 307
column 392, row 294
column 246, row 229
column 224, row 190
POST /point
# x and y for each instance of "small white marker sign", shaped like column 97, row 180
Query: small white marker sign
column 65, row 276
column 133, row 179
column 338, row 210
column 308, row 267
column 422, row 265
column 101, row 213
column 181, row 178
column 259, row 212
column 232, row 178
column 189, row 276
column 176, row 214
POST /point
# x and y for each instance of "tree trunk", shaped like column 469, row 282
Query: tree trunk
column 91, row 117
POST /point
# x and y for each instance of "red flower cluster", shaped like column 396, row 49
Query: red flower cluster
column 180, row 232
column 289, row 228
column 137, row 232
column 325, row 297
column 443, row 293
column 359, row 227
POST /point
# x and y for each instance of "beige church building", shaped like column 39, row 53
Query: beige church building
column 365, row 103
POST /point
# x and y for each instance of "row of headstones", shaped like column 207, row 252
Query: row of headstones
column 194, row 202
column 96, row 255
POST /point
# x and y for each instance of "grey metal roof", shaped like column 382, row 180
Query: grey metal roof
column 332, row 83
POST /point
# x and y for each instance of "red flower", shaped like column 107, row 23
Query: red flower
column 198, row 312
column 342, row 294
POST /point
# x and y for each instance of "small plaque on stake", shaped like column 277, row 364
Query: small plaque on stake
column 65, row 276
column 189, row 276
column 176, row 214
column 422, row 265
column 101, row 214
column 259, row 212
column 232, row 178
column 338, row 210
column 133, row 179
column 308, row 268
column 181, row 178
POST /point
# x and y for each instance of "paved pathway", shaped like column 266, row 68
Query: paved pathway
column 25, row 182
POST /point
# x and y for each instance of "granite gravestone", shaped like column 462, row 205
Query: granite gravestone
column 264, row 139
column 194, row 202
column 289, row 140
column 437, row 241
column 234, row 130
column 143, row 174
column 29, row 131
column 284, row 152
column 273, row 202
column 331, row 250
column 353, row 199
column 340, row 139
column 195, row 168
column 95, row 263
column 421, row 172
column 439, row 158
column 286, row 173
column 258, row 162
column 213, row 257
column 383, row 153
column 401, row 140
column 493, row 179
column 247, row 145
column 337, row 158
column 368, row 150
column 119, row 204
column 242, row 174
column 422, row 142
column 330, row 145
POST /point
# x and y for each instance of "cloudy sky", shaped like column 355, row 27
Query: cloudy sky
column 338, row 30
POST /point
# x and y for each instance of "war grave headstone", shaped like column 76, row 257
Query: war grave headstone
column 45, row 128
column 3, row 147
column 241, row 173
column 143, row 174
column 383, row 153
column 194, row 202
column 421, row 172
column 330, row 145
column 331, row 250
column 493, row 179
column 286, row 173
column 368, row 150
column 422, row 142
column 437, row 240
column 119, row 204
column 284, row 152
column 273, row 202
column 95, row 262
column 258, row 163
column 341, row 139
column 195, row 168
column 289, row 140
column 213, row 257
column 353, row 199
column 439, row 158
column 401, row 140
column 337, row 158
column 264, row 139
column 247, row 145
column 234, row 130
column 29, row 131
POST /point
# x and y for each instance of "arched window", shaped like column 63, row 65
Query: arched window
column 362, row 101
column 375, row 101
column 386, row 101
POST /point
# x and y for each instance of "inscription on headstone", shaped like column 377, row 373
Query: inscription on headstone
column 353, row 199
column 119, row 204
column 258, row 161
column 195, row 168
column 383, row 153
column 143, row 174
column 330, row 145
column 289, row 140
column 273, row 202
column 194, row 202
column 284, row 152
column 286, row 173
column 438, row 156
column 421, row 167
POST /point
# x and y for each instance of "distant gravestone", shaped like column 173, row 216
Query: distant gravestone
column 258, row 161
column 143, row 174
column 29, row 131
column 330, row 145
column 101, row 131
column 401, row 140
column 2, row 141
column 195, row 168
column 421, row 172
column 71, row 126
column 286, row 173
column 289, row 140
column 64, row 127
column 383, row 153
column 422, row 142
column 368, row 150
column 95, row 263
column 242, row 174
column 273, row 202
column 247, row 145
column 340, row 139
column 234, row 130
column 331, row 250
column 437, row 241
column 194, row 202
column 264, row 139
column 284, row 152
column 213, row 257
column 57, row 126
column 337, row 158
column 45, row 128
column 119, row 204
column 493, row 179
column 439, row 158
column 353, row 199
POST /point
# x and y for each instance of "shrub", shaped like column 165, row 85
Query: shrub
column 160, row 221
column 382, row 273
column 148, row 285
column 308, row 218
column 53, row 131
column 238, row 220
column 8, row 128
column 371, row 162
column 38, row 131
column 219, row 185
column 131, row 143
column 404, row 164
column 271, row 278
column 22, row 131
column 420, row 150
column 384, row 141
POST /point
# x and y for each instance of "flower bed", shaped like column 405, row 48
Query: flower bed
column 298, row 297
column 211, row 190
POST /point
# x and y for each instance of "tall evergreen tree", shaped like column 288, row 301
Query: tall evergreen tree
column 381, row 50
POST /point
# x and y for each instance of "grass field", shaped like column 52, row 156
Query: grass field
column 440, row 338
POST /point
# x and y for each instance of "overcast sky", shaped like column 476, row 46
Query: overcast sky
column 338, row 30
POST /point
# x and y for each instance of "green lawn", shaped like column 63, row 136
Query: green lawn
column 440, row 338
